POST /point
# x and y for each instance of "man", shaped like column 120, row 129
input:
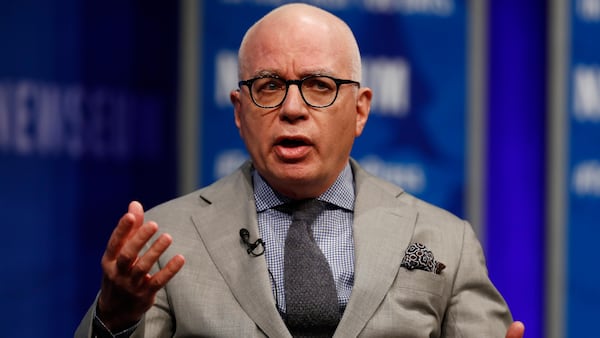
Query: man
column 298, row 109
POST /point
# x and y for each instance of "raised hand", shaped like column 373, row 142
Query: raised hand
column 128, row 290
column 516, row 330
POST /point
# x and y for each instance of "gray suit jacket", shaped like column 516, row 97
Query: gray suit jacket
column 223, row 292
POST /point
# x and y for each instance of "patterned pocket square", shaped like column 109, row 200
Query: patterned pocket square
column 417, row 256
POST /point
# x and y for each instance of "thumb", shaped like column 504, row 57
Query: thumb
column 516, row 330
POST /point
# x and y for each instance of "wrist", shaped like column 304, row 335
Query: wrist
column 111, row 322
column 102, row 329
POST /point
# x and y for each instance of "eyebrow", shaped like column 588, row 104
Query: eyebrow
column 318, row 72
column 273, row 73
column 266, row 72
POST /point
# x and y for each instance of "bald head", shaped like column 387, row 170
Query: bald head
column 301, row 26
column 298, row 148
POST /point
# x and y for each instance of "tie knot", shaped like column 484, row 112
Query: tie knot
column 303, row 210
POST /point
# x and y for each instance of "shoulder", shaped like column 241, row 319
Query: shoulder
column 387, row 192
column 222, row 192
column 440, row 230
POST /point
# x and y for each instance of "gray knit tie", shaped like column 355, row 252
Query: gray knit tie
column 312, row 308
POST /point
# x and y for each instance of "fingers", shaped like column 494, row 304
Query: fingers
column 118, row 236
column 129, row 265
column 131, row 249
column 130, row 222
column 516, row 330
column 145, row 263
column 126, row 243
column 128, row 290
column 137, row 210
column 161, row 278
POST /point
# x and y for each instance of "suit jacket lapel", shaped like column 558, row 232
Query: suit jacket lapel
column 219, row 224
column 382, row 231
column 382, row 228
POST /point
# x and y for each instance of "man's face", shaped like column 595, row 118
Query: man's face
column 298, row 149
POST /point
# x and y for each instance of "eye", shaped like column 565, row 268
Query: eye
column 268, row 84
column 319, row 84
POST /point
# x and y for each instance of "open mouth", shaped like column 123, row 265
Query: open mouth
column 293, row 149
column 292, row 143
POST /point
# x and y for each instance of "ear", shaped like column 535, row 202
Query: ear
column 234, row 97
column 363, row 107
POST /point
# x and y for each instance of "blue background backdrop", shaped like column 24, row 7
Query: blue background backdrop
column 86, row 124
column 88, row 115
column 583, row 170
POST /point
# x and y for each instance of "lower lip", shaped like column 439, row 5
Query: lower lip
column 292, row 153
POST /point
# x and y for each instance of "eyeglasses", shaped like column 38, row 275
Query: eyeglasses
column 318, row 91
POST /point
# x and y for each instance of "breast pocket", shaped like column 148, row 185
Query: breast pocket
column 420, row 281
column 421, row 291
column 413, row 307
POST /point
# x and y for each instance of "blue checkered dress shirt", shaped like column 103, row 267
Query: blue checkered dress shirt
column 332, row 231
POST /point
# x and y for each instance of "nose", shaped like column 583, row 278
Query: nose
column 293, row 107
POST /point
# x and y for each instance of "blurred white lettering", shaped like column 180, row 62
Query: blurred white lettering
column 73, row 124
column 588, row 10
column 225, row 77
column 586, row 178
column 408, row 7
column 388, row 77
column 50, row 136
column 390, row 81
column 408, row 176
column 24, row 107
column 586, row 92
column 328, row 4
column 4, row 119
column 228, row 161
column 48, row 119
column 431, row 7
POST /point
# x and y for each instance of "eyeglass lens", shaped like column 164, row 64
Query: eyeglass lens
column 317, row 91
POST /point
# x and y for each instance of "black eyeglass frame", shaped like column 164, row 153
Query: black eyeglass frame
column 338, row 83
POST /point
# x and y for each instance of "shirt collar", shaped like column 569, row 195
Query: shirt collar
column 340, row 193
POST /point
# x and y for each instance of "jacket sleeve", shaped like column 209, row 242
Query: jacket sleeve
column 84, row 330
column 476, row 308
